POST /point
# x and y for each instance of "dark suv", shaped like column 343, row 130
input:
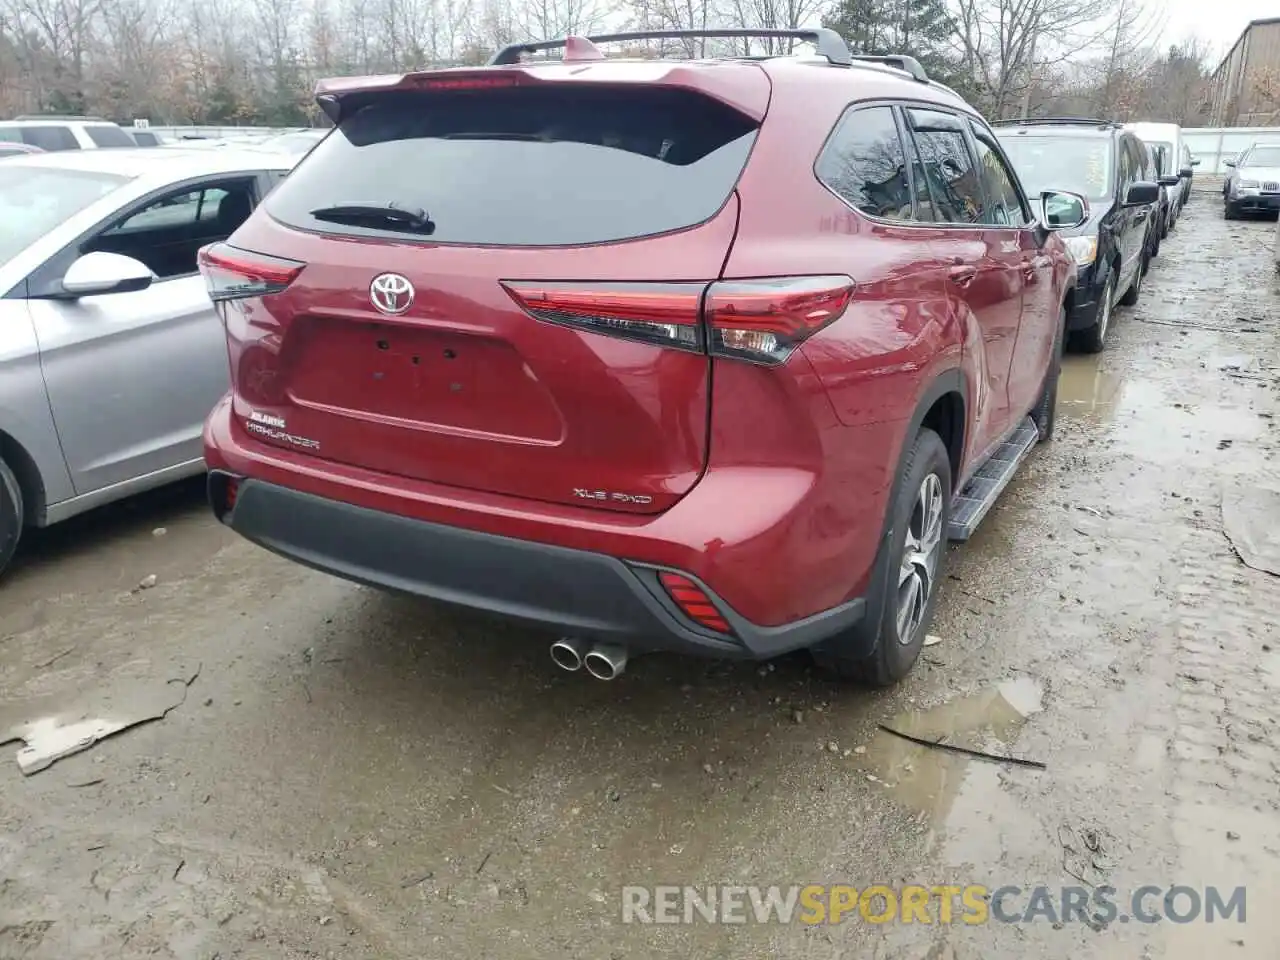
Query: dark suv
column 1106, row 164
column 709, row 356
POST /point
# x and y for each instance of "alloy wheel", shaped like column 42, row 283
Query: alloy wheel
column 1104, row 319
column 920, row 555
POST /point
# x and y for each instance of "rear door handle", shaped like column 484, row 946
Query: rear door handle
column 962, row 274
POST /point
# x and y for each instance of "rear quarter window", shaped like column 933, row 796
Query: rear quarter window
column 105, row 135
column 526, row 167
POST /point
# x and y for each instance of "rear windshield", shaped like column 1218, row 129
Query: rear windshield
column 1077, row 164
column 526, row 167
column 105, row 135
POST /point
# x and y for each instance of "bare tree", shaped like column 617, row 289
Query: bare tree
column 1129, row 37
column 996, row 42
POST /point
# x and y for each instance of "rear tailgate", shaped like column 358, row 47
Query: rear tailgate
column 540, row 346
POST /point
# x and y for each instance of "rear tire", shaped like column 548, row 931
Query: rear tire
column 11, row 515
column 1230, row 211
column 1045, row 412
column 1094, row 338
column 914, row 567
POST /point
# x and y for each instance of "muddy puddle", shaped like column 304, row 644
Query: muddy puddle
column 929, row 780
column 1088, row 392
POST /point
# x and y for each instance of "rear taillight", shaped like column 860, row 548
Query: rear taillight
column 665, row 314
column 761, row 321
column 765, row 320
column 693, row 600
column 233, row 274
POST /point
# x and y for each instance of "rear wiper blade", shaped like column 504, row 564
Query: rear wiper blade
column 390, row 215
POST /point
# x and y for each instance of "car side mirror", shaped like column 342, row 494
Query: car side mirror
column 1060, row 210
column 1195, row 163
column 99, row 273
column 1229, row 163
column 1169, row 181
column 1144, row 192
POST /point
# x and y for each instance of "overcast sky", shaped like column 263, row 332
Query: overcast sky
column 1218, row 22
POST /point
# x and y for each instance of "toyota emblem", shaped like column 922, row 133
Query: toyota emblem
column 391, row 293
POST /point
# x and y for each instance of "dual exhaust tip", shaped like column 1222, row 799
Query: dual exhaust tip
column 604, row 661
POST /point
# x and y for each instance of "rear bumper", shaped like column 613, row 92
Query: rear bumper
column 566, row 591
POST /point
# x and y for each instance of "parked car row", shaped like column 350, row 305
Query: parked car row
column 55, row 133
column 1134, row 201
column 713, row 360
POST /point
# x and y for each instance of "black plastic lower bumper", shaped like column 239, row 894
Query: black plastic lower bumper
column 569, row 592
column 1084, row 310
column 1267, row 202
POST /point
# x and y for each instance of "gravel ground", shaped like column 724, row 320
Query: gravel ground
column 353, row 775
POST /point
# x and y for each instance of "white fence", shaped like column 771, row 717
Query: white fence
column 214, row 133
column 1214, row 145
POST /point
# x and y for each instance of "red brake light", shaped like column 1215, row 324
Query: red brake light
column 233, row 274
column 762, row 321
column 695, row 603
column 665, row 314
column 765, row 320
column 436, row 82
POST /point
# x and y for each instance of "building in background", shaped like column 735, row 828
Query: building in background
column 1245, row 89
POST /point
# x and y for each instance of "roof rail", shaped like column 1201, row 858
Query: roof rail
column 899, row 61
column 829, row 44
column 58, row 116
column 1064, row 121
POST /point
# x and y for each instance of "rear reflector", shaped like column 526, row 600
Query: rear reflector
column 761, row 321
column 693, row 600
column 765, row 320
column 665, row 314
column 233, row 274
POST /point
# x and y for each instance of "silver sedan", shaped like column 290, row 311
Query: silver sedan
column 110, row 353
column 1253, row 183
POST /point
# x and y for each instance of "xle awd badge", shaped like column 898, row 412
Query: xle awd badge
column 391, row 293
column 637, row 498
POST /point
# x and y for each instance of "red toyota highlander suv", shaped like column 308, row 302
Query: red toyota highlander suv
column 700, row 355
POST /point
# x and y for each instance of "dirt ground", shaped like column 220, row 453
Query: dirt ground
column 353, row 775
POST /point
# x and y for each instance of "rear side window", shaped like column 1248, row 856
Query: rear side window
column 144, row 139
column 525, row 166
column 865, row 164
column 953, row 179
column 108, row 136
column 50, row 138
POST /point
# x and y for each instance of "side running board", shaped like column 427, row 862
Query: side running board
column 973, row 502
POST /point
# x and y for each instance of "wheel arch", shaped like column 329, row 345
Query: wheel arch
column 30, row 483
column 943, row 408
column 943, row 403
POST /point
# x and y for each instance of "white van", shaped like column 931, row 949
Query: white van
column 65, row 133
column 1166, row 139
